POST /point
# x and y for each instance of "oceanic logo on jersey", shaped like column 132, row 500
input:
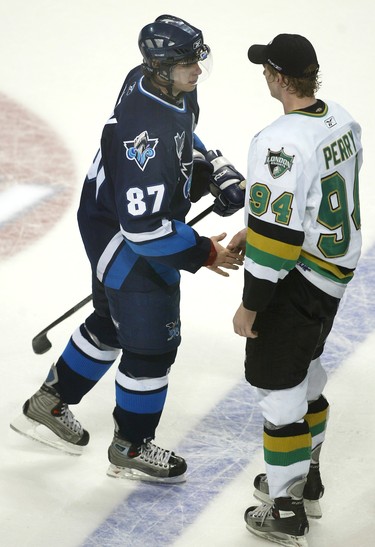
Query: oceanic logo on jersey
column 141, row 150
column 278, row 162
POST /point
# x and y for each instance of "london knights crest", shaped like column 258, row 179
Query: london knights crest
column 278, row 162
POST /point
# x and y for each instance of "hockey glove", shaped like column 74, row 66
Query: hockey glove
column 226, row 184
column 201, row 177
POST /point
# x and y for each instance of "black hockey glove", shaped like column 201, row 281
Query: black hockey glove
column 201, row 177
column 226, row 184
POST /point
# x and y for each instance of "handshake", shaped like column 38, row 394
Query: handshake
column 215, row 174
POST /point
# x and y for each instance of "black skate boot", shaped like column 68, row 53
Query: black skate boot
column 284, row 522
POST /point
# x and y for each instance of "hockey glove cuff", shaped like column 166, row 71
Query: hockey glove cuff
column 201, row 177
column 226, row 184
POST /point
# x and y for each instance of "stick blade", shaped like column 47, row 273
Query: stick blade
column 41, row 344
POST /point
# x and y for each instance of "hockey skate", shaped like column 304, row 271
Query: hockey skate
column 47, row 419
column 312, row 492
column 146, row 462
column 284, row 521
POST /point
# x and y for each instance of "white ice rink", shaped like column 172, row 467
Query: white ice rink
column 63, row 61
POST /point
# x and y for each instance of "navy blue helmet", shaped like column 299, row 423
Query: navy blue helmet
column 170, row 40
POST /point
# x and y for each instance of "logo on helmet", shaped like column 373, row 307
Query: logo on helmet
column 197, row 44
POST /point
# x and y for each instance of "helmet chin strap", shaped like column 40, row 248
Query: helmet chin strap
column 161, row 87
column 161, row 79
column 166, row 83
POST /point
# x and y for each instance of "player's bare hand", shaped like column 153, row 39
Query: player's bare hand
column 243, row 322
column 226, row 258
column 238, row 242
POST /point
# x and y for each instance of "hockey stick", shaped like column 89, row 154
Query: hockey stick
column 40, row 342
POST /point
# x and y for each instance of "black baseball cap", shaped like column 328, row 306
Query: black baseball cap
column 290, row 54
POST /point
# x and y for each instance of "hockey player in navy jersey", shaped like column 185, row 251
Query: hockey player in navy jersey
column 303, row 243
column 132, row 221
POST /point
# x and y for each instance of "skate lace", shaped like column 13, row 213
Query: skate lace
column 154, row 454
column 263, row 512
column 68, row 419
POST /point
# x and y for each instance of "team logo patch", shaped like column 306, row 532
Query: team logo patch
column 185, row 166
column 278, row 163
column 180, row 143
column 173, row 330
column 141, row 150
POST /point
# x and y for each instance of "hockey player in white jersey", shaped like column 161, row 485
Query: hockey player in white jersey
column 302, row 242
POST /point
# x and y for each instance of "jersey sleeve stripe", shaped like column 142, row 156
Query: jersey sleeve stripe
column 279, row 249
column 277, row 232
column 325, row 269
column 269, row 260
column 183, row 238
column 162, row 231
column 263, row 272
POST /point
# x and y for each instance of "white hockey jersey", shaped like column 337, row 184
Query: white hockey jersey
column 302, row 202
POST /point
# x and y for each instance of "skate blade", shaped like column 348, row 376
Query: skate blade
column 38, row 432
column 135, row 474
column 281, row 539
column 312, row 507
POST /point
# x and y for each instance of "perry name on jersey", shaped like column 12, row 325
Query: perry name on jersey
column 302, row 202
column 133, row 207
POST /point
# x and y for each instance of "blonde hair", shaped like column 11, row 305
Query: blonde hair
column 302, row 87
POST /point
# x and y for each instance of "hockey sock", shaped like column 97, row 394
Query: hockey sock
column 82, row 365
column 139, row 405
column 141, row 390
column 317, row 417
column 287, row 454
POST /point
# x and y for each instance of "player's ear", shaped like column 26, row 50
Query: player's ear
column 279, row 78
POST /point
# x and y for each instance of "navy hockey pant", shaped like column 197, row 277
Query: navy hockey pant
column 142, row 375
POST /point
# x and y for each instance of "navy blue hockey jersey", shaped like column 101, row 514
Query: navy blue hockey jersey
column 136, row 193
